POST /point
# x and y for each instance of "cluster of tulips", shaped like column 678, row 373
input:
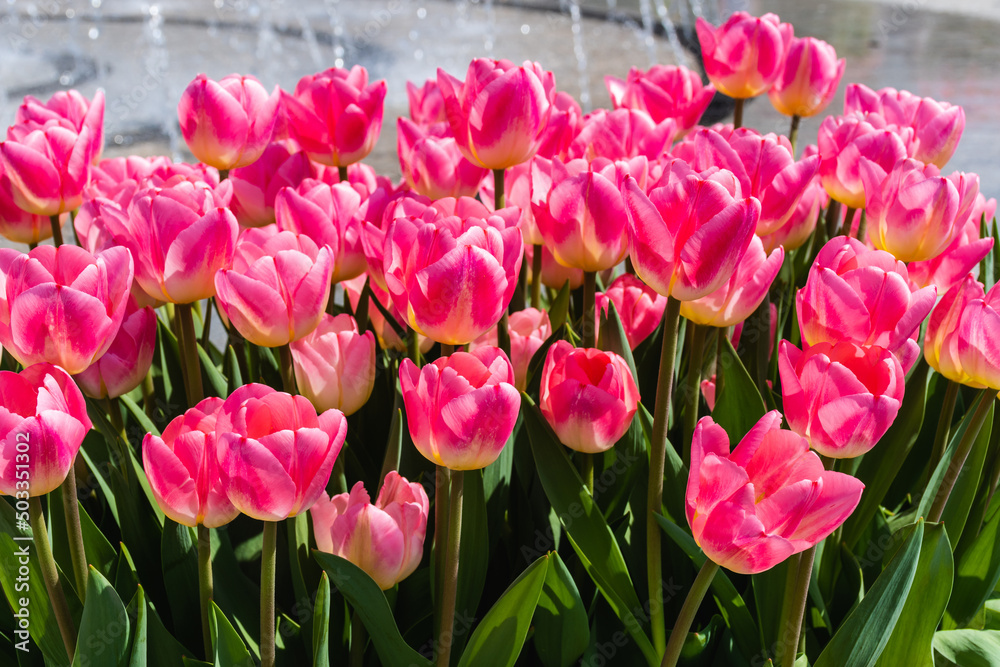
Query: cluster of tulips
column 475, row 279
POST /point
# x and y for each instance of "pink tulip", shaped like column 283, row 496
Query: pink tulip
column 461, row 409
column 499, row 112
column 378, row 212
column 587, row 396
column 335, row 365
column 768, row 499
column 227, row 124
column 739, row 297
column 840, row 397
column 386, row 539
column 72, row 107
column 764, row 164
column 809, row 78
column 962, row 256
column 801, row 224
column 329, row 215
column 688, row 234
column 432, row 163
column 127, row 361
column 426, row 103
column 554, row 274
column 335, row 115
column 48, row 166
column 256, row 186
column 43, row 419
column 277, row 287
column 863, row 296
column 937, row 126
column 580, row 215
column 665, row 91
column 16, row 224
column 914, row 213
column 62, row 305
column 528, row 329
column 844, row 141
column 745, row 55
column 183, row 470
column 638, row 305
column 562, row 128
column 963, row 333
column 120, row 178
column 275, row 454
column 454, row 270
column 622, row 134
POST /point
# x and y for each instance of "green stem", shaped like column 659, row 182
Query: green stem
column 393, row 450
column 793, row 133
column 684, row 620
column 657, row 459
column 944, row 422
column 148, row 395
column 587, row 471
column 536, row 277
column 32, row 246
column 797, row 606
column 413, row 347
column 692, row 390
column 832, row 218
column 50, row 574
column 958, row 461
column 267, row 559
column 205, row 586
column 287, row 369
column 589, row 326
column 121, row 444
column 863, row 225
column 498, row 189
column 738, row 114
column 358, row 640
column 442, row 482
column 206, row 326
column 503, row 334
column 788, row 600
column 448, row 599
column 57, row 238
column 338, row 476
column 192, row 364
column 223, row 174
column 720, row 369
column 848, row 221
column 447, row 350
column 342, row 172
column 77, row 552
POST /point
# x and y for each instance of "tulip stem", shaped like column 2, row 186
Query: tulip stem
column 503, row 334
column 206, row 324
column 793, row 132
column 688, row 611
column 267, row 559
column 77, row 551
column 958, row 462
column 192, row 364
column 796, row 603
column 589, row 307
column 121, row 444
column 342, row 173
column 57, row 238
column 692, row 391
column 536, row 277
column 442, row 479
column 587, row 471
column 205, row 586
column 738, row 114
column 832, row 218
column 848, row 221
column 450, row 591
column 413, row 347
column 944, row 422
column 657, row 459
column 51, row 575
column 287, row 368
column 720, row 369
column 863, row 225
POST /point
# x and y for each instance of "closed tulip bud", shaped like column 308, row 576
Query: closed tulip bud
column 809, row 78
column 432, row 163
column 73, row 108
column 638, row 305
column 840, row 397
column 528, row 329
column 277, row 287
column 844, row 141
column 587, row 396
column 43, row 420
column 962, row 256
column 335, row 115
column 497, row 115
column 127, row 361
column 426, row 103
column 461, row 409
column 48, row 166
column 183, row 469
column 863, row 296
column 386, row 539
column 335, row 365
column 962, row 336
column 622, row 134
column 664, row 91
column 256, row 186
column 227, row 123
column 275, row 453
column 62, row 305
column 744, row 56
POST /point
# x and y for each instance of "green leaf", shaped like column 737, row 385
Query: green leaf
column 219, row 384
column 588, row 532
column 99, row 551
column 968, row 648
column 977, row 572
column 562, row 632
column 179, row 556
column 559, row 310
column 963, row 494
column 139, row 415
column 739, row 406
column 233, row 364
column 321, row 624
column 369, row 602
column 230, row 651
column 910, row 643
column 863, row 635
column 140, row 642
column 164, row 650
column 614, row 339
column 475, row 558
column 104, row 628
column 498, row 638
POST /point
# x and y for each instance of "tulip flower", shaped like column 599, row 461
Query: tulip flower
column 277, row 287
column 48, row 166
column 554, row 274
column 62, row 305
column 664, row 91
column 961, row 342
column 70, row 107
column 622, row 134
column 688, row 235
column 43, row 419
column 962, row 256
column 528, row 329
column 461, row 409
column 453, row 274
column 386, row 539
column 587, row 396
column 120, row 178
column 227, row 123
column 275, row 453
column 335, row 365
column 183, row 470
column 840, row 397
column 497, row 115
column 809, row 78
column 914, row 213
column 638, row 305
column 256, row 186
column 335, row 115
column 562, row 128
column 863, row 296
column 844, row 141
column 801, row 224
column 744, row 56
column 16, row 224
column 426, row 103
column 432, row 163
column 752, row 508
column 127, row 361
